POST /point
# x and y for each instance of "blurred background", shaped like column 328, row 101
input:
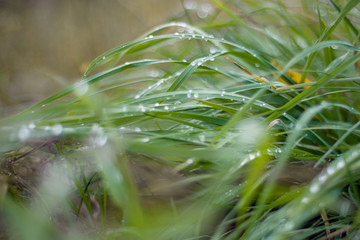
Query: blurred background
column 47, row 44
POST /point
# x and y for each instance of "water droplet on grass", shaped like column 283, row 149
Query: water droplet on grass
column 57, row 129
column 322, row 178
column 190, row 5
column 24, row 133
column 189, row 161
column 213, row 50
column 101, row 140
column 289, row 225
column 202, row 138
column 32, row 125
column 81, row 88
column 154, row 73
column 305, row 200
column 189, row 94
column 340, row 164
column 314, row 188
column 181, row 30
column 330, row 170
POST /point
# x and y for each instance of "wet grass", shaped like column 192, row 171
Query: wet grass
column 241, row 124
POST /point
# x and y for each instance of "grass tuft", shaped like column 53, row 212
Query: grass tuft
column 241, row 124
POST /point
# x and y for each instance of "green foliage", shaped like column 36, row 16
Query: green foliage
column 164, row 138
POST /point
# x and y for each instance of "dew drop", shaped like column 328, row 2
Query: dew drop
column 202, row 13
column 103, row 57
column 340, row 164
column 146, row 139
column 196, row 95
column 314, row 188
column 222, row 93
column 157, row 104
column 189, row 161
column 154, row 73
column 305, row 200
column 190, row 4
column 32, row 125
column 57, row 129
column 289, row 225
column 151, row 36
column 101, row 140
column 202, row 138
column 189, row 94
column 137, row 96
column 24, row 133
column 213, row 50
column 330, row 170
column 137, row 129
column 81, row 88
column 322, row 178
column 166, row 108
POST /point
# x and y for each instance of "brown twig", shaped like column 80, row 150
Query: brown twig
column 336, row 233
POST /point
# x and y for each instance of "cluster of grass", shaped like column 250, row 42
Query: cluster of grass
column 208, row 129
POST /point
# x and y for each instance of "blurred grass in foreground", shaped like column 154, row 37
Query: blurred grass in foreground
column 165, row 138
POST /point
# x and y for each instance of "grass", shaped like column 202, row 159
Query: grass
column 192, row 131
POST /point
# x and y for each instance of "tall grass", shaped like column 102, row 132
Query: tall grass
column 209, row 129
